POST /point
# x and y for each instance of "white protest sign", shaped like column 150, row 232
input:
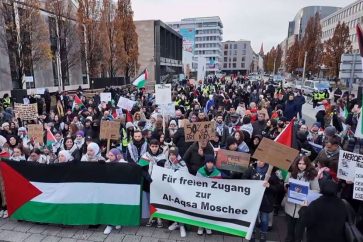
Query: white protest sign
column 358, row 182
column 168, row 109
column 163, row 94
column 347, row 164
column 105, row 97
column 125, row 103
column 298, row 191
column 229, row 206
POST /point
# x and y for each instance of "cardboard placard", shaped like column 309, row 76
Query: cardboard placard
column 110, row 130
column 26, row 111
column 199, row 131
column 163, row 94
column 275, row 154
column 36, row 131
column 105, row 97
column 232, row 160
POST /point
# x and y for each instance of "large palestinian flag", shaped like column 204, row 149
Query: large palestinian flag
column 73, row 193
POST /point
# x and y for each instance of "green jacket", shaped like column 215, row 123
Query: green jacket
column 202, row 172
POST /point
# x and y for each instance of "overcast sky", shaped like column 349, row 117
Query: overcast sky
column 256, row 20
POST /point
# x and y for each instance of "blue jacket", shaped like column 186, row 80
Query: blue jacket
column 290, row 110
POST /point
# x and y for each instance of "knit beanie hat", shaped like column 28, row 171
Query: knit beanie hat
column 80, row 133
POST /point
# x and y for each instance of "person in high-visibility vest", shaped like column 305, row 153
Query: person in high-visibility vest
column 126, row 136
column 6, row 101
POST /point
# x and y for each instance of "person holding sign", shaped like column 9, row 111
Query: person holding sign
column 208, row 170
column 301, row 170
column 258, row 171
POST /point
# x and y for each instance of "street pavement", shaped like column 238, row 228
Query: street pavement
column 14, row 231
column 309, row 114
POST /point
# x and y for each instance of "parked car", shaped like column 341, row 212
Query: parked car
column 310, row 86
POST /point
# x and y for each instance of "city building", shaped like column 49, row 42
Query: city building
column 55, row 73
column 238, row 57
column 160, row 51
column 297, row 26
column 202, row 36
column 352, row 15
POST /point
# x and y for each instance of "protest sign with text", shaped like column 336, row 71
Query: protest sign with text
column 126, row 103
column 163, row 94
column 199, row 131
column 26, row 111
column 35, row 131
column 110, row 130
column 105, row 97
column 229, row 206
column 275, row 154
column 358, row 182
column 232, row 160
column 347, row 164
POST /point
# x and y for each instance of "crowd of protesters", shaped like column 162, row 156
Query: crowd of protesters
column 244, row 112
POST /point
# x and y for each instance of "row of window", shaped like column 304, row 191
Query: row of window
column 235, row 46
column 234, row 59
column 209, row 45
column 351, row 24
column 234, row 65
column 234, row 52
column 206, row 52
column 352, row 10
column 208, row 31
column 208, row 38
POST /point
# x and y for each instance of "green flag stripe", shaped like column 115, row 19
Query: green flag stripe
column 143, row 162
column 201, row 224
column 79, row 214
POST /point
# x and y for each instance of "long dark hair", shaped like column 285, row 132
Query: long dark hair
column 310, row 172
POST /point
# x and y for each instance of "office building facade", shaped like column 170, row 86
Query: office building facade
column 202, row 36
column 160, row 51
column 237, row 57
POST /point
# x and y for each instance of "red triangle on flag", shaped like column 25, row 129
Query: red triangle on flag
column 18, row 189
column 285, row 137
column 128, row 116
column 152, row 209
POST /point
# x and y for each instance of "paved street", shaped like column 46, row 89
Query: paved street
column 15, row 231
column 309, row 114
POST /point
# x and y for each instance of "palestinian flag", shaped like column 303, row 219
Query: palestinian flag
column 346, row 112
column 286, row 138
column 140, row 81
column 81, row 193
column 77, row 101
column 50, row 138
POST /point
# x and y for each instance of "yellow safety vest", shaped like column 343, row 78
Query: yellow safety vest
column 125, row 142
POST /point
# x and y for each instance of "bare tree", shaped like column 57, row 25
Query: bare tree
column 25, row 37
column 68, row 42
column 89, row 15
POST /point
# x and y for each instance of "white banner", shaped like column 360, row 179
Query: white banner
column 105, row 97
column 163, row 94
column 125, row 103
column 347, row 164
column 229, row 206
